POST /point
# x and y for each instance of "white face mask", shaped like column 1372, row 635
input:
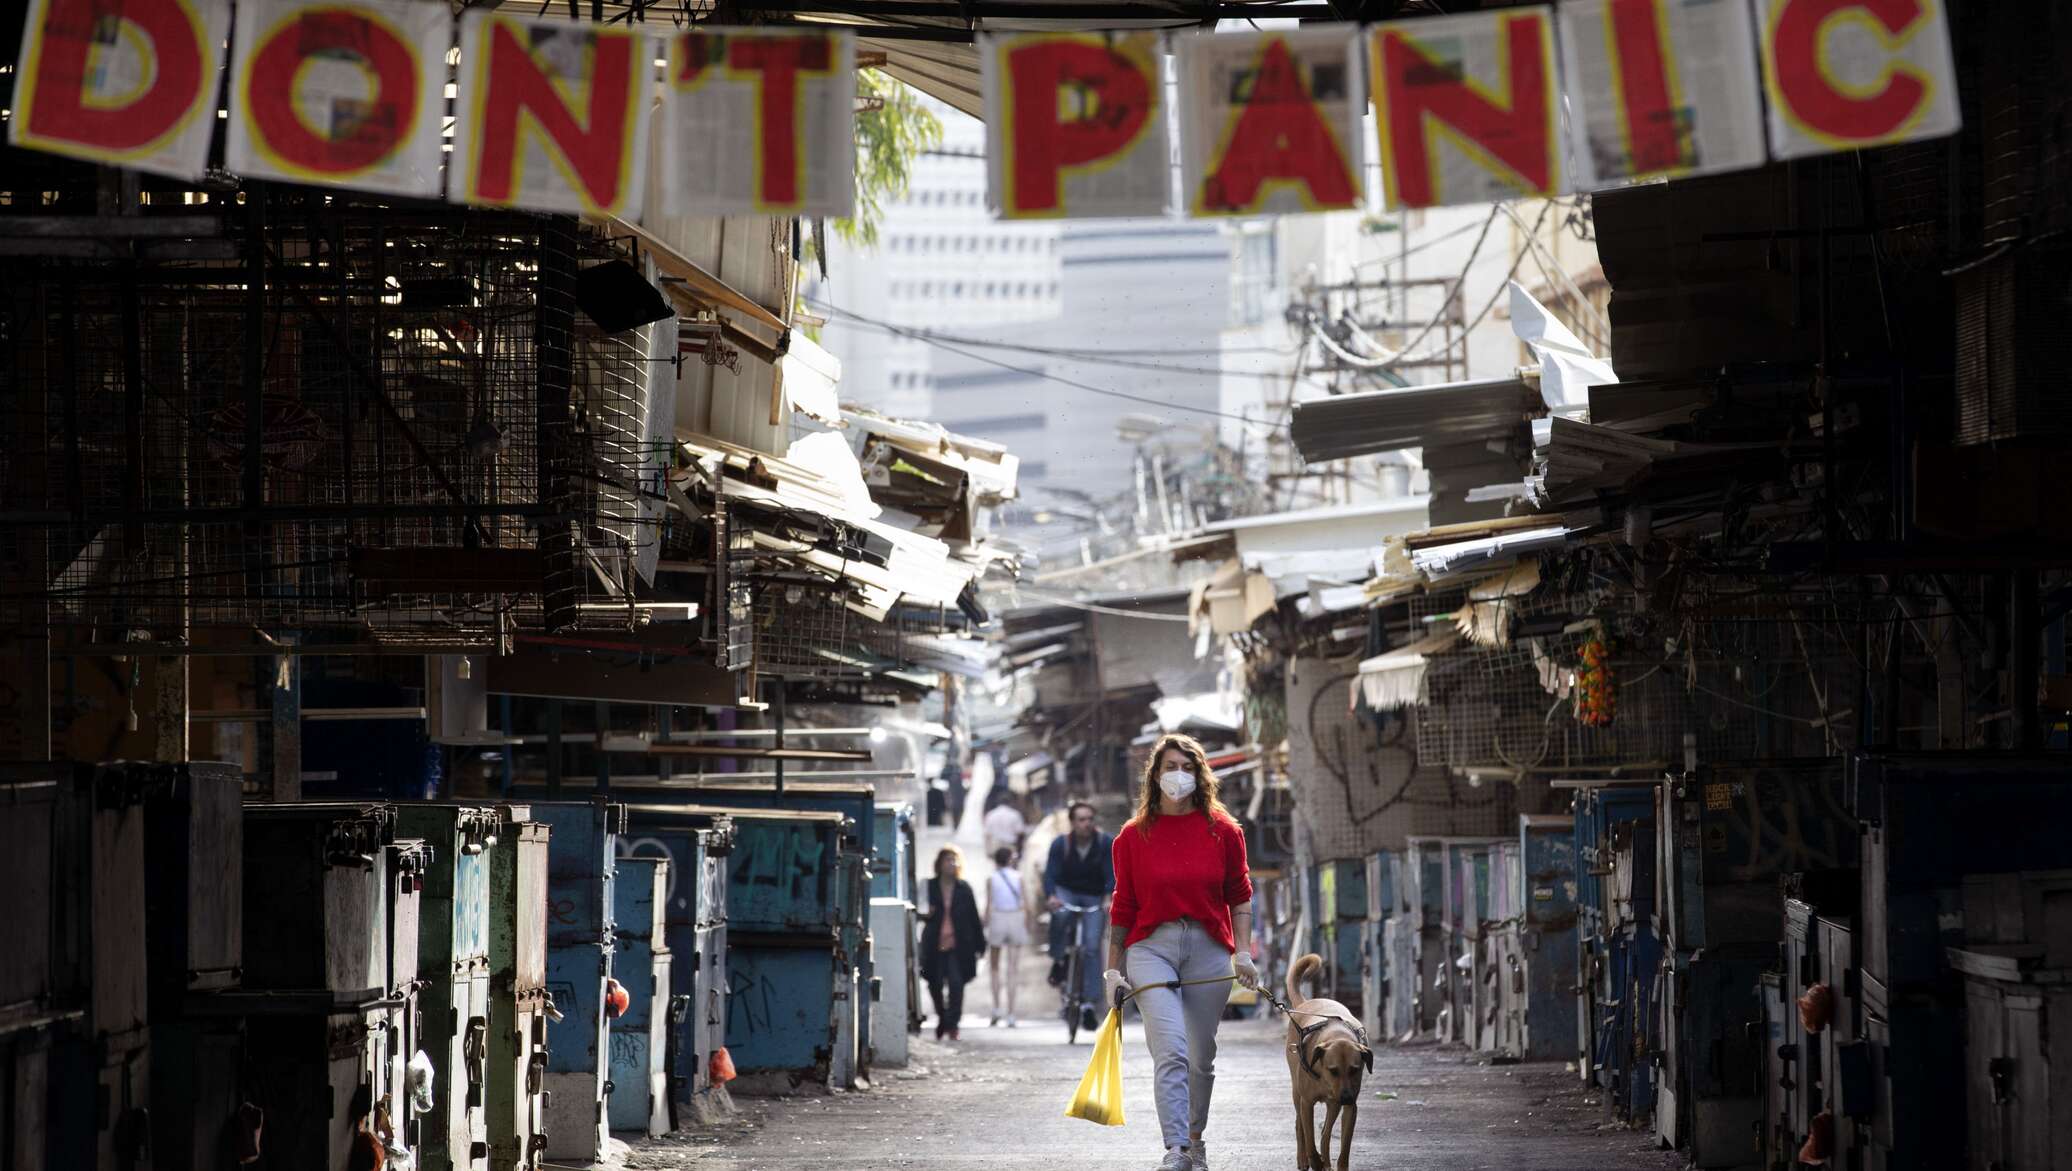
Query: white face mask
column 1177, row 784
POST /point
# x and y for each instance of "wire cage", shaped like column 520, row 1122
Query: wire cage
column 377, row 420
column 804, row 629
column 1766, row 682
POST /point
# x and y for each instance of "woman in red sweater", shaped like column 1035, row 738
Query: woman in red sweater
column 1182, row 912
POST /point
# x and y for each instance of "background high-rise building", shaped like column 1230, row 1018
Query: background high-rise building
column 1020, row 311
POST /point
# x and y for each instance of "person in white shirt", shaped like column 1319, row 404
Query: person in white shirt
column 1007, row 930
column 1005, row 827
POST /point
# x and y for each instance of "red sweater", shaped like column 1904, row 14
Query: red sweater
column 1185, row 867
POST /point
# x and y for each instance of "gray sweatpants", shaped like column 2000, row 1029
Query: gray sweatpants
column 1180, row 1026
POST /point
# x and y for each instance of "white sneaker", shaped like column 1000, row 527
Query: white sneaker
column 1176, row 1160
column 1199, row 1153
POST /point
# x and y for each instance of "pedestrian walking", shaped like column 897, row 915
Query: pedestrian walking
column 1004, row 825
column 1080, row 873
column 1007, row 930
column 1183, row 915
column 952, row 939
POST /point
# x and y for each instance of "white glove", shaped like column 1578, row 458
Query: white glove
column 1113, row 982
column 1247, row 971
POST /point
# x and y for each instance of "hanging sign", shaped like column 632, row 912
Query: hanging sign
column 760, row 121
column 1270, row 122
column 552, row 116
column 1848, row 74
column 1076, row 124
column 126, row 82
column 1466, row 107
column 345, row 92
column 1659, row 89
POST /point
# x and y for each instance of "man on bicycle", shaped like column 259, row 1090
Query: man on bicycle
column 1080, row 873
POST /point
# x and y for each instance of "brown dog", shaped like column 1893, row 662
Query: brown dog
column 1327, row 1054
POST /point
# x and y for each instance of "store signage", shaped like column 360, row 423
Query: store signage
column 555, row 115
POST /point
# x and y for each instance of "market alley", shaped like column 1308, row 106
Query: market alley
column 997, row 1101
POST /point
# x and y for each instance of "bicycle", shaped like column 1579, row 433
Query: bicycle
column 1076, row 1002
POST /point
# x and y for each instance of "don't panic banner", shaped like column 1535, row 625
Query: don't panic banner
column 397, row 97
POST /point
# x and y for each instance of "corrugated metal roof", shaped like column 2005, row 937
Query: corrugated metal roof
column 1347, row 425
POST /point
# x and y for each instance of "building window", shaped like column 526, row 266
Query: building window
column 1255, row 277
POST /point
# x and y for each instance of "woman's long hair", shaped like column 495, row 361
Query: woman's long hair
column 956, row 857
column 1208, row 791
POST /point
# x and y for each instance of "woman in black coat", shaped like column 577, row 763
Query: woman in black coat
column 952, row 943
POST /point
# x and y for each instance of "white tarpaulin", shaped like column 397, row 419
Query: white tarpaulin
column 1395, row 680
column 1567, row 367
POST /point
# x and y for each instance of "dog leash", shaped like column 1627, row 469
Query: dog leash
column 1176, row 985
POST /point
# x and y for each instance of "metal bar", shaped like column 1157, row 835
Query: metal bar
column 771, row 754
column 82, row 249
column 604, row 757
column 133, row 403
column 1889, row 557
column 254, row 471
column 554, row 754
column 112, row 227
column 280, row 513
column 2024, row 664
column 509, row 755
column 780, row 753
column 682, row 781
column 246, row 715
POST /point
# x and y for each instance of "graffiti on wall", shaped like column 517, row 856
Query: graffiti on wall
column 783, row 858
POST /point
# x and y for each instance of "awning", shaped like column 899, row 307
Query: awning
column 1347, row 425
column 992, row 469
column 819, row 475
column 811, row 375
column 1395, row 680
column 1304, row 572
column 1441, row 560
column 1331, row 600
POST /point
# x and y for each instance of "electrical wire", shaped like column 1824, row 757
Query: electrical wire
column 1090, row 357
column 1550, row 267
column 1075, row 384
column 1467, row 266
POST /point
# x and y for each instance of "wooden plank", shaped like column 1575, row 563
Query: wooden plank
column 705, row 284
column 2009, row 962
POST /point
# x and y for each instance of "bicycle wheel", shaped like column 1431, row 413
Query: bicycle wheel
column 1072, row 1003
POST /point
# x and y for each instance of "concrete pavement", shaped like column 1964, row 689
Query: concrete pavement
column 997, row 1101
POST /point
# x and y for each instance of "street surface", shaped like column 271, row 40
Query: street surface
column 997, row 1101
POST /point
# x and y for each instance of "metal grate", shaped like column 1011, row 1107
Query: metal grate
column 2012, row 349
column 390, row 370
column 803, row 631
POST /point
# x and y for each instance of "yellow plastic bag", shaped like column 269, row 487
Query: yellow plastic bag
column 1099, row 1097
